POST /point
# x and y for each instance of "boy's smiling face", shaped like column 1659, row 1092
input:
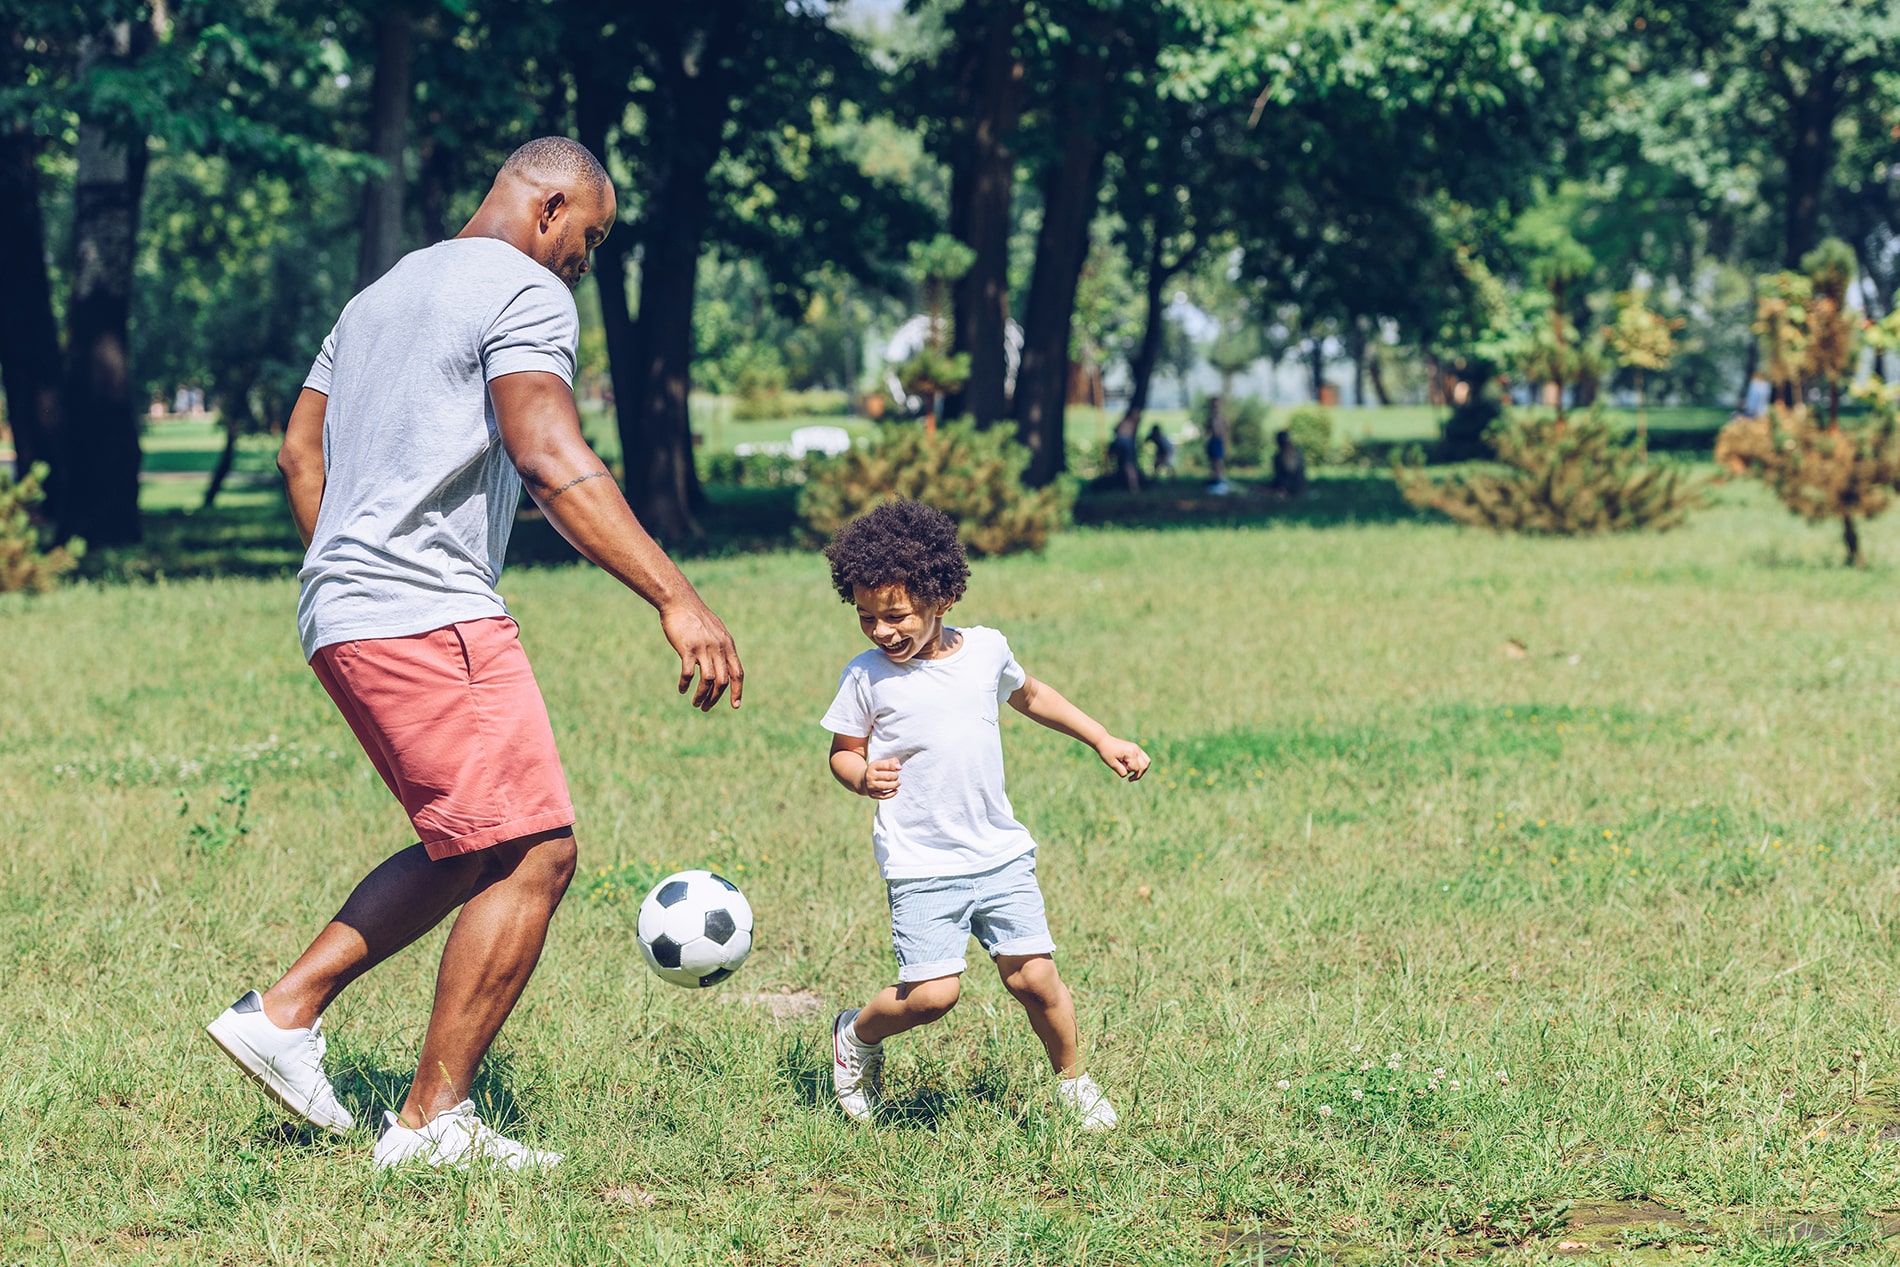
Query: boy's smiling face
column 901, row 627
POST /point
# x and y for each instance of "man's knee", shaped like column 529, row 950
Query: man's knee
column 547, row 858
column 930, row 1000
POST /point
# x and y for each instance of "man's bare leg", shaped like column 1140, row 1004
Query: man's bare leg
column 392, row 906
column 492, row 949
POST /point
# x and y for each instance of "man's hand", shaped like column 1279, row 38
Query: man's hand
column 705, row 649
column 1126, row 759
column 880, row 781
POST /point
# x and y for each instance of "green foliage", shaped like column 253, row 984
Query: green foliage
column 27, row 560
column 1837, row 470
column 973, row 476
column 1311, row 427
column 1575, row 478
column 1247, row 431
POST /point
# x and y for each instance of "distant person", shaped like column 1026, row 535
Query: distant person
column 1217, row 446
column 1289, row 466
column 444, row 388
column 1164, row 451
column 1756, row 398
column 1124, row 452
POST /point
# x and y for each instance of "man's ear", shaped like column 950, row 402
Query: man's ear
column 551, row 208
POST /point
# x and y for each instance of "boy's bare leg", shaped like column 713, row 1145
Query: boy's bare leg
column 906, row 1006
column 492, row 950
column 1038, row 987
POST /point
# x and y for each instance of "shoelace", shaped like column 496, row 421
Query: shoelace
column 318, row 1045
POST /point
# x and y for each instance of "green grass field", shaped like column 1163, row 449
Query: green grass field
column 1409, row 949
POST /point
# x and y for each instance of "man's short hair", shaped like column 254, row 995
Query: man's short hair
column 558, row 159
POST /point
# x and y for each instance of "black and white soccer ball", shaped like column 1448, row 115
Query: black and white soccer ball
column 695, row 929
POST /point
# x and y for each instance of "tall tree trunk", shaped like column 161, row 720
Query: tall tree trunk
column 236, row 419
column 1069, row 188
column 1357, row 345
column 1375, row 371
column 390, row 93
column 96, row 495
column 989, row 77
column 686, row 115
column 1810, row 156
column 1316, row 367
column 29, row 333
column 1141, row 368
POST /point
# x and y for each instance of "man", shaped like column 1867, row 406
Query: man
column 444, row 388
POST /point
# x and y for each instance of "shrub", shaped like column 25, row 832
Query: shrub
column 27, row 562
column 1818, row 472
column 1247, row 432
column 973, row 476
column 1574, row 478
column 754, row 470
column 1811, row 341
column 1312, row 430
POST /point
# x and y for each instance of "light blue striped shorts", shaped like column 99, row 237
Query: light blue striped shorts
column 933, row 917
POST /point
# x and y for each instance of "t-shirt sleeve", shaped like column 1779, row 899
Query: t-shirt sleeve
column 850, row 712
column 536, row 330
column 1010, row 677
column 318, row 379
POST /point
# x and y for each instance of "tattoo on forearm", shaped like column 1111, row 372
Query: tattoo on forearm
column 578, row 479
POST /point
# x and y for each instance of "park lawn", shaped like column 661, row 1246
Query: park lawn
column 1407, row 948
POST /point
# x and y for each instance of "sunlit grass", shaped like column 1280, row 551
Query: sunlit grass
column 1406, row 939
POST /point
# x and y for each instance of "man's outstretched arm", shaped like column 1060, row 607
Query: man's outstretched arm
column 300, row 459
column 542, row 432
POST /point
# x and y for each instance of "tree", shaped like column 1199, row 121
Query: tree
column 1820, row 472
column 392, row 88
column 737, row 100
column 1725, row 90
column 95, row 491
column 984, row 71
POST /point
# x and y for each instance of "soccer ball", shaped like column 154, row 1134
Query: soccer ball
column 695, row 929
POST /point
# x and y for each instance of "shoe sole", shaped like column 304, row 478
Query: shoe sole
column 242, row 1054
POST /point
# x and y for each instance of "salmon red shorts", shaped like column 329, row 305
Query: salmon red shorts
column 455, row 724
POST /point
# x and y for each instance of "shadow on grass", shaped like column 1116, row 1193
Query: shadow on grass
column 260, row 540
column 805, row 1065
column 1332, row 499
column 368, row 1089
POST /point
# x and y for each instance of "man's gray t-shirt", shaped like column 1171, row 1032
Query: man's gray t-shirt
column 419, row 494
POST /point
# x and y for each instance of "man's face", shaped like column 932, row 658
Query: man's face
column 900, row 626
column 571, row 227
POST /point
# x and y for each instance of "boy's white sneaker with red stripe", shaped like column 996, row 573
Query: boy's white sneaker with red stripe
column 856, row 1069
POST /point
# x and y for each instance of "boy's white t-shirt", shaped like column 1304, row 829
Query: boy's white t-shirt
column 951, row 815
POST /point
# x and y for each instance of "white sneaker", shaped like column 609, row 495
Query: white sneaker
column 456, row 1138
column 857, row 1069
column 286, row 1063
column 1082, row 1095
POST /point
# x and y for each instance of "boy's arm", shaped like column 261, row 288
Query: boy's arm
column 851, row 766
column 1042, row 703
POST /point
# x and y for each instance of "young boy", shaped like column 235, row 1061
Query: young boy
column 914, row 727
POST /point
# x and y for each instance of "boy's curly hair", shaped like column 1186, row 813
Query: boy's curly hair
column 900, row 543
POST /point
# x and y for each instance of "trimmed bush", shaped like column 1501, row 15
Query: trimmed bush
column 27, row 561
column 973, row 476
